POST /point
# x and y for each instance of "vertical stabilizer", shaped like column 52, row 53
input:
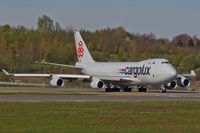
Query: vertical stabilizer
column 81, row 49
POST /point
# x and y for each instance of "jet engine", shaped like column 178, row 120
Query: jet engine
column 183, row 82
column 171, row 85
column 56, row 81
column 96, row 83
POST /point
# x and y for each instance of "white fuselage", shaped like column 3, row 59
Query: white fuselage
column 148, row 72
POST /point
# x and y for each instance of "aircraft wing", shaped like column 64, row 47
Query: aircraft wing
column 74, row 76
column 64, row 76
column 192, row 74
column 56, row 64
column 130, row 79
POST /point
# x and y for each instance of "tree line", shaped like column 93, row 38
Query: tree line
column 21, row 47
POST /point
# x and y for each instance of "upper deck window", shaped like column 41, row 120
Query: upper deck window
column 165, row 62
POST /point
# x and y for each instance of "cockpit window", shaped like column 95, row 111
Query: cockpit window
column 165, row 62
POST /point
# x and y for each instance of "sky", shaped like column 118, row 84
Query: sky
column 164, row 18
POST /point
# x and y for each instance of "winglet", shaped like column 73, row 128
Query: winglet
column 40, row 62
column 6, row 73
column 43, row 61
column 193, row 73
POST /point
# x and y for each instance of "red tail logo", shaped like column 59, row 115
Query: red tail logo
column 80, row 49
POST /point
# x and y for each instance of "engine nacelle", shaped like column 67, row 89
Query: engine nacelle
column 183, row 82
column 96, row 83
column 56, row 81
column 171, row 85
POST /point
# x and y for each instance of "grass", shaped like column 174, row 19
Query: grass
column 101, row 117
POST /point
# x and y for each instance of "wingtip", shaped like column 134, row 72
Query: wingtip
column 193, row 73
column 5, row 72
column 43, row 61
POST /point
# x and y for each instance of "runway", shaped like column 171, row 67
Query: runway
column 87, row 95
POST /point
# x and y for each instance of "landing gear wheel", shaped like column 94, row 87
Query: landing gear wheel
column 114, row 89
column 142, row 89
column 108, row 90
column 163, row 90
column 127, row 89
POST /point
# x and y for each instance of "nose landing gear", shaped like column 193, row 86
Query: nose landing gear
column 163, row 89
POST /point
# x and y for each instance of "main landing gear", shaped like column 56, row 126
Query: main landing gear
column 112, row 89
column 117, row 89
column 142, row 89
column 127, row 89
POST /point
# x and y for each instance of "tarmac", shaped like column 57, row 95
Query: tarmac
column 35, row 94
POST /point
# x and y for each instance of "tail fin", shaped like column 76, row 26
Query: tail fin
column 81, row 49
